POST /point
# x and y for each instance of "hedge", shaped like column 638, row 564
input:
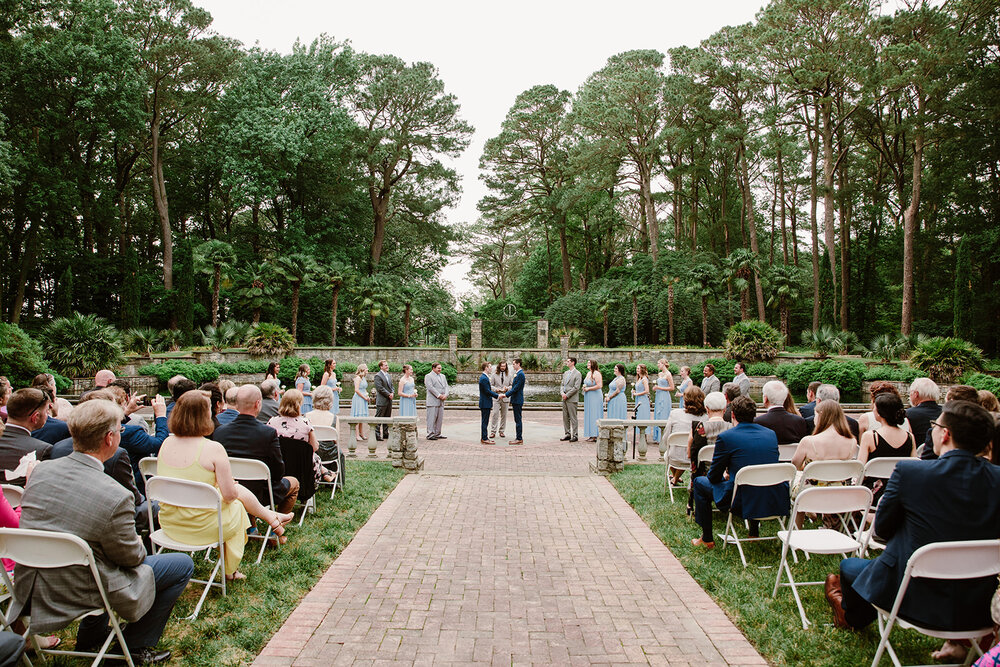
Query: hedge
column 847, row 376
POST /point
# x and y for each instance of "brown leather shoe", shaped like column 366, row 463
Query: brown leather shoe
column 835, row 596
column 487, row 442
column 515, row 442
column 698, row 542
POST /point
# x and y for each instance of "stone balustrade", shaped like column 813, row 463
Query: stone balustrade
column 643, row 425
column 610, row 447
column 402, row 441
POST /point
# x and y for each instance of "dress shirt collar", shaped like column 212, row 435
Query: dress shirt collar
column 10, row 426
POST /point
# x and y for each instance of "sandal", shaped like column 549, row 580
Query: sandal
column 48, row 642
column 236, row 576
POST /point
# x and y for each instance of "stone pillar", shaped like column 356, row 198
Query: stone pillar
column 610, row 447
column 403, row 448
column 453, row 344
column 542, row 341
column 564, row 346
column 477, row 334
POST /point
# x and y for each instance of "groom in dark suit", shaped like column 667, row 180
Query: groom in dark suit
column 486, row 396
column 949, row 499
column 383, row 398
column 516, row 395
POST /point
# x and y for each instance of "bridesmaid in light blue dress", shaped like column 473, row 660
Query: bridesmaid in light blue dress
column 407, row 393
column 330, row 380
column 641, row 392
column 303, row 384
column 593, row 405
column 686, row 382
column 359, row 402
column 664, row 385
column 615, row 400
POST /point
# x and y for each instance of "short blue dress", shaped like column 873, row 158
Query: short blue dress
column 359, row 406
column 593, row 409
column 303, row 384
column 618, row 405
column 661, row 407
column 332, row 384
column 408, row 406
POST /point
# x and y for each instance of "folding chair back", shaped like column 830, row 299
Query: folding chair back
column 147, row 466
column 326, row 433
column 299, row 464
column 253, row 470
column 12, row 494
column 833, row 500
column 767, row 474
column 706, row 454
column 882, row 467
column 832, row 471
column 677, row 458
column 786, row 452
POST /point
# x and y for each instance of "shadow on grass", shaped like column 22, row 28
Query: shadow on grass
column 772, row 625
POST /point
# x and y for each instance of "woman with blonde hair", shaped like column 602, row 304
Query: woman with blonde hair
column 291, row 423
column 686, row 382
column 189, row 454
column 360, row 400
column 831, row 439
column 664, row 385
column 593, row 405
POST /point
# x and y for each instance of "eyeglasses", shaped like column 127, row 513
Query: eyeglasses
column 938, row 424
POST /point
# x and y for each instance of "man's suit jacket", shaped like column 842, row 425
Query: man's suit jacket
column 268, row 409
column 15, row 442
column 118, row 467
column 710, row 384
column 73, row 495
column 852, row 424
column 498, row 383
column 247, row 438
column 743, row 382
column 788, row 427
column 486, row 393
column 436, row 385
column 383, row 387
column 516, row 393
column 227, row 416
column 920, row 417
column 571, row 381
column 746, row 445
column 956, row 497
column 808, row 410
column 139, row 444
column 53, row 431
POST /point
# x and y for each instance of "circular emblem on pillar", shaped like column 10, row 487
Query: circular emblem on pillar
column 509, row 311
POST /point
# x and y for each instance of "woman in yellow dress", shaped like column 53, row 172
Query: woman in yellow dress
column 188, row 454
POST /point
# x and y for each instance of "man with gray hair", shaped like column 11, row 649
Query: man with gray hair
column 924, row 394
column 269, row 400
column 790, row 428
column 828, row 392
column 229, row 414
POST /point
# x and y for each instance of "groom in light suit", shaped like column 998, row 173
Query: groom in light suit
column 571, row 381
column 383, row 398
column 437, row 392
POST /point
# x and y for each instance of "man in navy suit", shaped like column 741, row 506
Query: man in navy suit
column 954, row 497
column 516, row 396
column 486, row 396
column 52, row 432
column 745, row 444
column 788, row 427
column 808, row 410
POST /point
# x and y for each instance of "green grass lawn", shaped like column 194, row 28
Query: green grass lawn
column 772, row 625
column 232, row 630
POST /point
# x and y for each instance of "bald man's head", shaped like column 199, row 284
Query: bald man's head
column 248, row 400
column 103, row 378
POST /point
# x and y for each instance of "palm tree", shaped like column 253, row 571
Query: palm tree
column 255, row 286
column 785, row 282
column 606, row 300
column 338, row 275
column 213, row 258
column 376, row 300
column 741, row 266
column 635, row 289
column 408, row 294
column 299, row 270
column 702, row 281
column 673, row 266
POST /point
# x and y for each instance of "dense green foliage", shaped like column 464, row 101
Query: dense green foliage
column 21, row 358
column 81, row 345
column 845, row 375
column 752, row 341
column 945, row 359
column 269, row 340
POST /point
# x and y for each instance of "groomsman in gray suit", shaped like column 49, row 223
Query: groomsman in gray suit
column 437, row 392
column 571, row 381
column 383, row 399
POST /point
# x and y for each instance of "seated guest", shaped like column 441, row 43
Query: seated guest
column 103, row 379
column 269, row 403
column 181, row 387
column 136, row 440
column 731, row 392
column 291, row 423
column 957, row 392
column 694, row 410
column 808, row 409
column 171, row 383
column 5, row 392
column 924, row 394
column 950, row 499
column 133, row 402
column 73, row 495
column 60, row 408
column 703, row 435
column 790, row 428
column 247, row 438
column 189, row 454
column 216, row 399
column 743, row 445
column 831, row 440
column 889, row 438
column 828, row 392
column 867, row 421
column 322, row 415
column 229, row 414
column 27, row 411
column 989, row 401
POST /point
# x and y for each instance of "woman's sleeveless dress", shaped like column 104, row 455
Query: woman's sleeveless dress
column 195, row 526
column 680, row 392
column 359, row 406
column 303, row 384
column 618, row 406
column 593, row 409
column 642, row 402
column 661, row 407
column 408, row 406
column 332, row 384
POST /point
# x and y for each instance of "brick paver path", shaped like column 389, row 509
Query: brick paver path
column 507, row 556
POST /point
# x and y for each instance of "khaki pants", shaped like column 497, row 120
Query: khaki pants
column 499, row 415
column 570, row 420
column 435, row 415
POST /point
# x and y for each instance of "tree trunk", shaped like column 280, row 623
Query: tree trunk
column 781, row 207
column 910, row 222
column 744, row 304
column 296, row 287
column 784, row 319
column 704, row 321
column 813, row 204
column 829, row 229
column 650, row 228
column 694, row 214
column 567, row 278
column 371, row 330
column 160, row 200
column 670, row 312
column 333, row 318
column 256, row 315
column 216, row 285
column 845, row 252
column 380, row 211
column 678, row 212
column 752, row 229
column 406, row 326
column 635, row 322
column 605, row 328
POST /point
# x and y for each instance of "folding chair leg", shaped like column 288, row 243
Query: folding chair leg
column 795, row 594
column 883, row 645
column 731, row 534
column 263, row 544
column 218, row 570
column 670, row 484
column 116, row 626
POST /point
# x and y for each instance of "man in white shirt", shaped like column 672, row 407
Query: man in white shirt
column 741, row 380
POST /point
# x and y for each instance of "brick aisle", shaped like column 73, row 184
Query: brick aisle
column 507, row 556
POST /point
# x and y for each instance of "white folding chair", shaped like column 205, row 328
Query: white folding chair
column 329, row 434
column 880, row 468
column 836, row 500
column 677, row 458
column 13, row 494
column 47, row 550
column 833, row 472
column 786, row 452
column 947, row 561
column 147, row 467
column 253, row 470
column 768, row 474
column 706, row 454
column 194, row 495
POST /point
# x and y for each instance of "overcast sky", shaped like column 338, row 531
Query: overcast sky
column 486, row 52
